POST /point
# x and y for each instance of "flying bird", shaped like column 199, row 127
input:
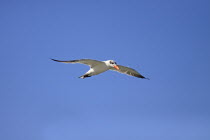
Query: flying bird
column 97, row 67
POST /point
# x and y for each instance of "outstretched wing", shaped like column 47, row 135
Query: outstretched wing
column 88, row 62
column 128, row 71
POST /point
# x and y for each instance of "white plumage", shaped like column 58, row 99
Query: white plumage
column 97, row 67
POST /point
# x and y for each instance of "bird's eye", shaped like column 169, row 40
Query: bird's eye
column 111, row 62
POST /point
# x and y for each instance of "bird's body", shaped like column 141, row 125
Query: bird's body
column 97, row 67
column 95, row 70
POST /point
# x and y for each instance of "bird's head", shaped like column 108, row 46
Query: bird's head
column 113, row 64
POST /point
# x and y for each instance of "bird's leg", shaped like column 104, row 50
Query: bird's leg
column 85, row 76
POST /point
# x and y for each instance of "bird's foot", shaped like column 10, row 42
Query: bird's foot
column 84, row 76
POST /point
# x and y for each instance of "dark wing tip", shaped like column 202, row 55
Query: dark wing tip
column 68, row 61
column 55, row 60
column 140, row 76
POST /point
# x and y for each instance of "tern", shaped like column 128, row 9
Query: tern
column 97, row 67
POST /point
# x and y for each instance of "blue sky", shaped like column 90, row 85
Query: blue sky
column 167, row 41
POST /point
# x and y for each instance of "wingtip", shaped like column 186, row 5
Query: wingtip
column 143, row 77
column 54, row 59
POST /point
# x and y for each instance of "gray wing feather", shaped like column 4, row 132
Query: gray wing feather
column 89, row 62
column 128, row 71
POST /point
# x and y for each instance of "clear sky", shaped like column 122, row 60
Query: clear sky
column 167, row 41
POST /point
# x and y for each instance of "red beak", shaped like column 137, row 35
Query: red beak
column 116, row 67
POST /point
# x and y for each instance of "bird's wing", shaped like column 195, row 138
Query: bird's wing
column 88, row 62
column 128, row 71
